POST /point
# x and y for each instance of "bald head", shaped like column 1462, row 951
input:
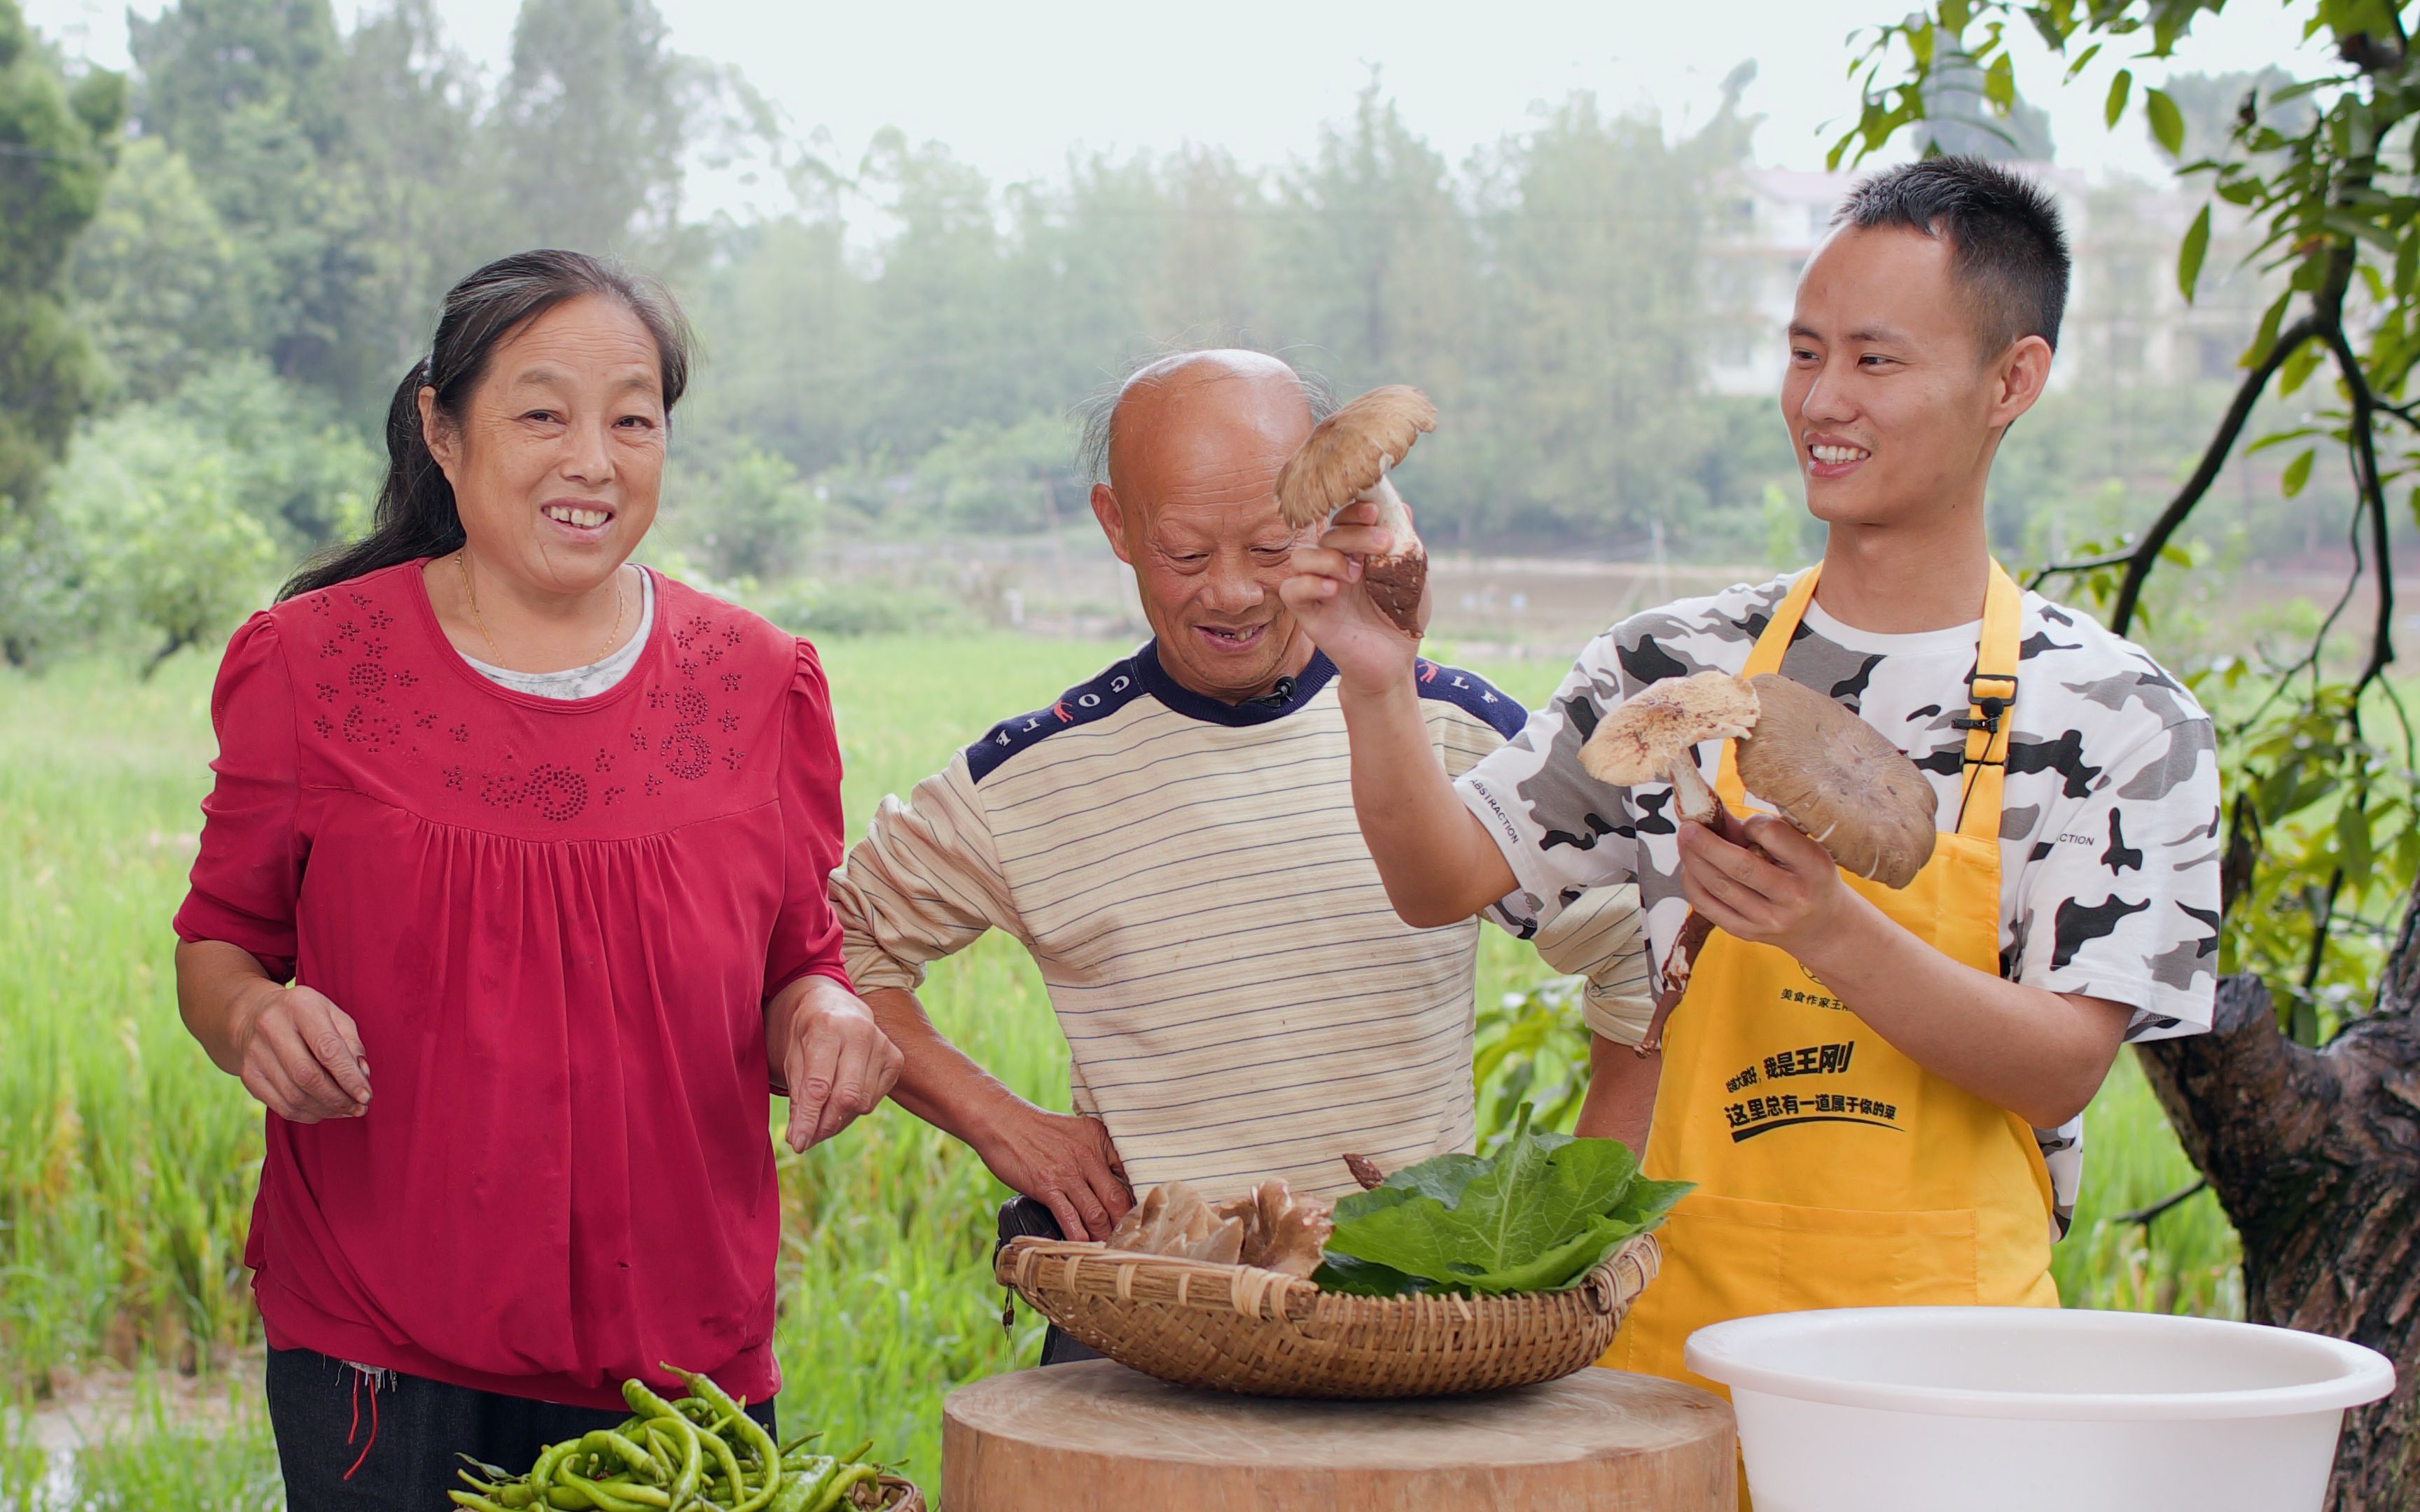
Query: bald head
column 1184, row 376
column 1204, row 425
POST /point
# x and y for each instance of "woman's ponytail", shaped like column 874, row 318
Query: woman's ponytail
column 416, row 516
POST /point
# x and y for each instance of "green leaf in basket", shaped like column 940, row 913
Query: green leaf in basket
column 1537, row 1216
column 1364, row 1279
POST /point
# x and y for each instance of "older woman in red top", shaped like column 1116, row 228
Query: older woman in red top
column 540, row 839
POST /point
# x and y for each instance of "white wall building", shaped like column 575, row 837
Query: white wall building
column 2125, row 320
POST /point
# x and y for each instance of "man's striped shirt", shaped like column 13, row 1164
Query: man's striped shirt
column 1239, row 1000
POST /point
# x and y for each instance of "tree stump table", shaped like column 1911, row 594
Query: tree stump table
column 1097, row 1436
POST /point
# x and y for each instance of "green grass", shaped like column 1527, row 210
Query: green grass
column 126, row 1163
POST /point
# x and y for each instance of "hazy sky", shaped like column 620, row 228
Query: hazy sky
column 1013, row 88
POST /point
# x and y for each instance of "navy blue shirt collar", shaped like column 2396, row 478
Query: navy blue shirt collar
column 1160, row 685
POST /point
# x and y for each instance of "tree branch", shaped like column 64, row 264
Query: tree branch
column 2373, row 498
column 2145, row 554
column 2043, row 575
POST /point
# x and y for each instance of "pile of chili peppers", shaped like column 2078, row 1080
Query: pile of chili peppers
column 702, row 1451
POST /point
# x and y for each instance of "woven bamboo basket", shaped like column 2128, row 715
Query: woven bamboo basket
column 1242, row 1328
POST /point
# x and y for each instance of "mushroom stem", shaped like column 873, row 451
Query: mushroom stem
column 1691, row 799
column 1397, row 580
column 1393, row 514
column 1673, row 982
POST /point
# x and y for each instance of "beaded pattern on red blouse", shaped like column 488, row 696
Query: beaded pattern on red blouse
column 686, row 722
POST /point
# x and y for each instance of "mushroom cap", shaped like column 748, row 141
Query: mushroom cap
column 1835, row 776
column 1350, row 451
column 1641, row 741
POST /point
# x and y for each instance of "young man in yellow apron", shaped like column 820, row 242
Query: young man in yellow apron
column 1877, row 1092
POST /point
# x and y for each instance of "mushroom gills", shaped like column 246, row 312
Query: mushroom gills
column 1347, row 458
column 1653, row 736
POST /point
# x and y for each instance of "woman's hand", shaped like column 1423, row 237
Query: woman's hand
column 835, row 1062
column 1063, row 1161
column 1326, row 596
column 299, row 1054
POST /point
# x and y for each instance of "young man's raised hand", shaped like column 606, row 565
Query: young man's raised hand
column 1326, row 596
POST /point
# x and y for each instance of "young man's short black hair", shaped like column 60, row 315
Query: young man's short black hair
column 2007, row 244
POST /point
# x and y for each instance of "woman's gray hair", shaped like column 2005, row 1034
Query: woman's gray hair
column 1098, row 412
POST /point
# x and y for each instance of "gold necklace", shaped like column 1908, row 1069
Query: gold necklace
column 462, row 561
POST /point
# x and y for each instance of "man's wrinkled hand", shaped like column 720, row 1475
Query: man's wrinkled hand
column 1065, row 1161
column 1326, row 596
column 837, row 1064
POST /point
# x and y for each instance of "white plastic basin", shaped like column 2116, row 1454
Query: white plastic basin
column 2026, row 1410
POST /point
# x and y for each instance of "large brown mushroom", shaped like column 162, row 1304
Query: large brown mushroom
column 1829, row 772
column 1347, row 458
column 1836, row 778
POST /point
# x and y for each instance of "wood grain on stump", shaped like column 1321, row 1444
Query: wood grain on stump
column 1097, row 1436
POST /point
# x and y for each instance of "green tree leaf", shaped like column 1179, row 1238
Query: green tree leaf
column 2000, row 83
column 2189, row 256
column 2297, row 472
column 2167, row 122
column 2118, row 89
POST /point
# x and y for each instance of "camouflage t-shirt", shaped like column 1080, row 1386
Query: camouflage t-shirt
column 2109, row 819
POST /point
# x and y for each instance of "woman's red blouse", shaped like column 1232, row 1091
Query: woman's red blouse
column 557, row 924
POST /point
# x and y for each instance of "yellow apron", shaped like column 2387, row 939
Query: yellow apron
column 1832, row 1171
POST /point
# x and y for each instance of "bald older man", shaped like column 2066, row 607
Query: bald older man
column 1174, row 841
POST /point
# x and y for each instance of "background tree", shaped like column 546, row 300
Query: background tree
column 591, row 129
column 57, row 143
column 2303, row 1109
column 162, row 281
column 251, row 92
column 412, row 105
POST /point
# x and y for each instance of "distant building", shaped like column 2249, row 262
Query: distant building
column 2125, row 320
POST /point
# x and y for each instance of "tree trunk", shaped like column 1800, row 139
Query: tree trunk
column 2315, row 1154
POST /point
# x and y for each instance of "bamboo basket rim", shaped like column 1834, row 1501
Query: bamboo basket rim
column 1090, row 1268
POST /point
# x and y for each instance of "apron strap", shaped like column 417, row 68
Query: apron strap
column 1991, row 693
column 1991, row 697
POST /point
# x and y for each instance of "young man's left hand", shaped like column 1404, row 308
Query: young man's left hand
column 1780, row 888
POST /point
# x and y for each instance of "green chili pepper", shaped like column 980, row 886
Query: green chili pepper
column 729, row 1463
column 692, row 1467
column 850, row 1475
column 542, row 1474
column 664, row 1415
column 768, row 1454
column 807, row 1477
column 606, row 1500
column 569, row 1499
column 617, row 1451
column 474, row 1501
column 657, row 1456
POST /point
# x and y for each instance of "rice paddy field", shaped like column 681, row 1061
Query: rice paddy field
column 126, row 1163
